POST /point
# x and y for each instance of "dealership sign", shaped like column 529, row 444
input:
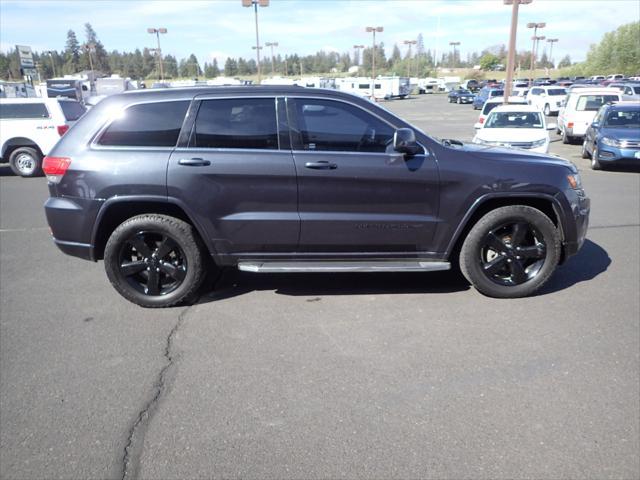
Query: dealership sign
column 26, row 57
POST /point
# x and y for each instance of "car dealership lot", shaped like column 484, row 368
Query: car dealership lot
column 324, row 375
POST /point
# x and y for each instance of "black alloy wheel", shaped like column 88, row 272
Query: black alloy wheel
column 512, row 254
column 152, row 263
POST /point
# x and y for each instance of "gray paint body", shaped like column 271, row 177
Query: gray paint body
column 265, row 204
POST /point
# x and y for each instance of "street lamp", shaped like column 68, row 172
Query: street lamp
column 536, row 41
column 157, row 32
column 53, row 64
column 373, row 57
column 356, row 48
column 90, row 47
column 535, row 38
column 255, row 3
column 512, row 46
column 454, row 45
column 409, row 42
column 273, row 62
column 551, row 41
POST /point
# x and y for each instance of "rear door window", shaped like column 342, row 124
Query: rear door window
column 23, row 111
column 236, row 123
column 147, row 125
column 72, row 110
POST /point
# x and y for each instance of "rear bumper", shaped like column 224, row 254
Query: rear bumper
column 580, row 208
column 81, row 250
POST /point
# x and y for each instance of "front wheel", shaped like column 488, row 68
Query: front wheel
column 547, row 110
column 459, row 101
column 511, row 252
column 584, row 153
column 26, row 162
column 155, row 260
column 595, row 164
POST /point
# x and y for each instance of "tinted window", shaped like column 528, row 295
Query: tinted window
column 23, row 110
column 623, row 119
column 594, row 102
column 496, row 93
column 556, row 92
column 72, row 110
column 514, row 120
column 147, row 125
column 326, row 125
column 237, row 123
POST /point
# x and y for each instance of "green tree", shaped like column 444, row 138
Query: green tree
column 71, row 54
column 230, row 67
column 565, row 62
column 99, row 54
column 489, row 61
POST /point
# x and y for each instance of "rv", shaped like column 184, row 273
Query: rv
column 113, row 84
column 68, row 88
column 427, row 85
column 385, row 87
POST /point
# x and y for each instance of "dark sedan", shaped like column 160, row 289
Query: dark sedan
column 614, row 136
column 460, row 95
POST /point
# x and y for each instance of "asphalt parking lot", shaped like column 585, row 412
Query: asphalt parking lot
column 322, row 375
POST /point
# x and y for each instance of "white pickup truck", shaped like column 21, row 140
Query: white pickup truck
column 30, row 127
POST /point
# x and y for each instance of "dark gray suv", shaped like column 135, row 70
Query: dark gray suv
column 164, row 185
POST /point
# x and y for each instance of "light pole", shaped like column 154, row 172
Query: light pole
column 373, row 58
column 255, row 3
column 511, row 57
column 157, row 32
column 535, row 38
column 53, row 64
column 273, row 61
column 356, row 54
column 551, row 41
column 454, row 45
column 536, row 41
column 409, row 43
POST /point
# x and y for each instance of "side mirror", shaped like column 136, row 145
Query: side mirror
column 404, row 141
column 477, row 126
column 595, row 125
column 551, row 126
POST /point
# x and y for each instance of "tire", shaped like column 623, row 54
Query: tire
column 450, row 99
column 26, row 162
column 595, row 164
column 566, row 139
column 547, row 110
column 498, row 268
column 459, row 101
column 584, row 153
column 151, row 241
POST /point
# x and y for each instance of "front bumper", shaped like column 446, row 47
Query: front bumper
column 620, row 156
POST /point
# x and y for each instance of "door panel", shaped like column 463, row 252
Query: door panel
column 355, row 193
column 235, row 178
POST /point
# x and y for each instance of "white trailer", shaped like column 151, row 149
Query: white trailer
column 112, row 85
column 385, row 87
column 224, row 81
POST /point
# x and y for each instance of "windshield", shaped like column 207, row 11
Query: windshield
column 623, row 119
column 636, row 90
column 556, row 91
column 514, row 120
column 592, row 103
column 72, row 110
column 462, row 90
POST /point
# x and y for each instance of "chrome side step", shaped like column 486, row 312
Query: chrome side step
column 343, row 266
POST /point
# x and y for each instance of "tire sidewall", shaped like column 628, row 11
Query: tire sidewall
column 470, row 253
column 180, row 232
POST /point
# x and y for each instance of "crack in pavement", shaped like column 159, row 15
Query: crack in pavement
column 137, row 432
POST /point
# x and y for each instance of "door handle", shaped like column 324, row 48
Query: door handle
column 321, row 165
column 194, row 162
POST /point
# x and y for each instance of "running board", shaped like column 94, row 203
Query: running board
column 343, row 266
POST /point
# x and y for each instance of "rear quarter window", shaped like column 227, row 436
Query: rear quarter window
column 155, row 124
column 72, row 110
column 23, row 111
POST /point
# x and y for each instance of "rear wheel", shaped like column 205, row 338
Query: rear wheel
column 26, row 162
column 511, row 252
column 155, row 260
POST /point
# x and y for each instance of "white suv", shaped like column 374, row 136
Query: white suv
column 30, row 127
column 548, row 99
column 580, row 109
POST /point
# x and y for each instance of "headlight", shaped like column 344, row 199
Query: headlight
column 612, row 142
column 538, row 143
column 575, row 181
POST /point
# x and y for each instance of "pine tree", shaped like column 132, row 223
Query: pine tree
column 230, row 67
column 98, row 52
column 71, row 54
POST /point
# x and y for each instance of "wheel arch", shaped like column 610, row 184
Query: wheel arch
column 115, row 211
column 17, row 142
column 547, row 204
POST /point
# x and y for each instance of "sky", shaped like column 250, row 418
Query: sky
column 222, row 28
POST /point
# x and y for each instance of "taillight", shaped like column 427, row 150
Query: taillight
column 55, row 168
column 569, row 124
column 62, row 129
column 481, row 120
